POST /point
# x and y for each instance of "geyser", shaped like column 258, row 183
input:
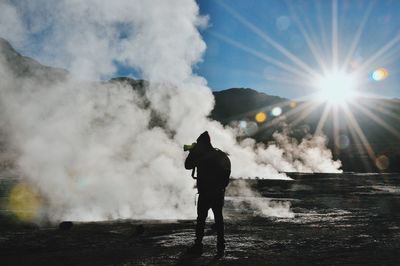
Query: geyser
column 92, row 149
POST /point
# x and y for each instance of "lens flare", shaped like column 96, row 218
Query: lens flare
column 276, row 111
column 293, row 104
column 380, row 74
column 242, row 124
column 343, row 142
column 283, row 23
column 261, row 117
column 24, row 202
column 382, row 162
column 251, row 128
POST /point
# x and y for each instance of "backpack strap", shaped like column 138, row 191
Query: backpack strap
column 193, row 173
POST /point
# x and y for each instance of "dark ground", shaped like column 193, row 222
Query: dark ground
column 339, row 220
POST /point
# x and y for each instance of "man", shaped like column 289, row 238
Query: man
column 213, row 170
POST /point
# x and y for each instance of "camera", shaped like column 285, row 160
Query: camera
column 189, row 147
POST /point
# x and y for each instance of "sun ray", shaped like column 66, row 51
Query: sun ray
column 370, row 95
column 356, row 40
column 320, row 43
column 359, row 146
column 389, row 58
column 300, row 63
column 321, row 26
column 335, row 129
column 322, row 120
column 335, row 44
column 310, row 43
column 304, row 114
column 299, row 109
column 267, row 109
column 378, row 120
column 368, row 63
column 386, row 112
column 287, row 79
column 339, row 67
column 251, row 112
column 353, row 123
column 259, row 55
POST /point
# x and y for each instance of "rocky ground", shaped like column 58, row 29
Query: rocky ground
column 345, row 219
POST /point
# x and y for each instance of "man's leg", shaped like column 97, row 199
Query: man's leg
column 217, row 207
column 202, row 212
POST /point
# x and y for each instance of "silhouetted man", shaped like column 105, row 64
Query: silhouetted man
column 213, row 170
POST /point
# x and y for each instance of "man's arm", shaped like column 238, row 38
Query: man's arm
column 191, row 161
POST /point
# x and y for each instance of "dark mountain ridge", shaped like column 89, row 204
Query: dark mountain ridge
column 235, row 103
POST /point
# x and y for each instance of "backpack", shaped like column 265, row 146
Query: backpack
column 223, row 166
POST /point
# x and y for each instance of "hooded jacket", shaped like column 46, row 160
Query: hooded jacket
column 207, row 160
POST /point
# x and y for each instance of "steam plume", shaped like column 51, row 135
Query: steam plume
column 90, row 148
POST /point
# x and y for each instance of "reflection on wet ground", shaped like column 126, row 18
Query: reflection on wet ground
column 337, row 220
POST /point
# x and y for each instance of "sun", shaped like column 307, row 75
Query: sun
column 336, row 87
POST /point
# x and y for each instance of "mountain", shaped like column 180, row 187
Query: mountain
column 23, row 66
column 366, row 137
column 236, row 103
column 373, row 127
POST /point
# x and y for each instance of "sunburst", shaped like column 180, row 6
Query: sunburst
column 337, row 83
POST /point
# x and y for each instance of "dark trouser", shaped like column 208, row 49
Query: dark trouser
column 216, row 203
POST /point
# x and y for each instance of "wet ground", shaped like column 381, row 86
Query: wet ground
column 346, row 219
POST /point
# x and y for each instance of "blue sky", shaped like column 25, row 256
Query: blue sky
column 280, row 47
column 242, row 34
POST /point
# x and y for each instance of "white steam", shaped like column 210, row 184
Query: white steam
column 88, row 147
column 244, row 196
column 308, row 156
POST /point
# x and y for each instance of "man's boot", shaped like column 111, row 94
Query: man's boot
column 196, row 249
column 220, row 249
